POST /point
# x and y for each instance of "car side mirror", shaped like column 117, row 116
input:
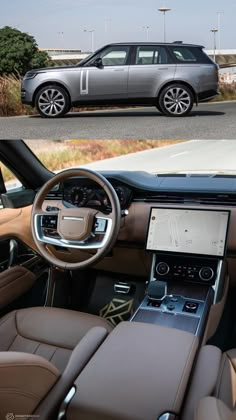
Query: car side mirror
column 98, row 62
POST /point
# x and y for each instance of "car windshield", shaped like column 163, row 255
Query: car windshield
column 153, row 156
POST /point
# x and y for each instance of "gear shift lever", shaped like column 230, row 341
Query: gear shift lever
column 157, row 290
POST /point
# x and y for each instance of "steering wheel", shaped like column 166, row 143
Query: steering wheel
column 80, row 228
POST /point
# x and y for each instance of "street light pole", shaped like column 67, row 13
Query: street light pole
column 61, row 34
column 92, row 37
column 164, row 10
column 146, row 28
column 219, row 27
column 214, row 31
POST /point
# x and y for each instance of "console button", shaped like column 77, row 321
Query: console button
column 171, row 307
column 190, row 307
column 162, row 268
column 206, row 273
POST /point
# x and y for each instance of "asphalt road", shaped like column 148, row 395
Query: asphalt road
column 191, row 156
column 207, row 121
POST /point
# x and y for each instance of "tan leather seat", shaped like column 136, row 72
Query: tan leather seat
column 60, row 342
column 212, row 392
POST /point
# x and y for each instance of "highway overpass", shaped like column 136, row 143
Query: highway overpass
column 225, row 58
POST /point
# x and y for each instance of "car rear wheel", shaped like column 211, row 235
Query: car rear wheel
column 52, row 101
column 176, row 100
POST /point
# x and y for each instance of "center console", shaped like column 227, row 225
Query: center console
column 188, row 267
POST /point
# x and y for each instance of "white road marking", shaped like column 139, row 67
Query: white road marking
column 179, row 154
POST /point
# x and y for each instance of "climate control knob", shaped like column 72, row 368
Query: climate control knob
column 206, row 273
column 162, row 268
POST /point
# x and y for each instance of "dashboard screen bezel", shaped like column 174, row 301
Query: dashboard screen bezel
column 188, row 254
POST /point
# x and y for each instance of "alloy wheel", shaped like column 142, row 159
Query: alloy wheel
column 51, row 102
column 177, row 101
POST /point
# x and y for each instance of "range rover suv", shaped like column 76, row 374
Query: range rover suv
column 169, row 76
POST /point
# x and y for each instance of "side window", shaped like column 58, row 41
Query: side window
column 184, row 54
column 151, row 55
column 115, row 56
column 9, row 178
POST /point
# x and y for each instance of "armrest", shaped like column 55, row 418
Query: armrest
column 204, row 378
column 25, row 379
column 139, row 372
column 14, row 282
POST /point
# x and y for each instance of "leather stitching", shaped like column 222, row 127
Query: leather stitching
column 6, row 318
column 17, row 392
column 53, row 354
column 36, row 348
column 13, row 280
column 28, row 365
column 14, row 315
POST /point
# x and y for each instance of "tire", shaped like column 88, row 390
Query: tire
column 176, row 100
column 159, row 108
column 52, row 101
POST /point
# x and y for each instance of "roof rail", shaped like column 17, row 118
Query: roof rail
column 177, row 42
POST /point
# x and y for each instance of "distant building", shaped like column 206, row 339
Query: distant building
column 62, row 57
column 228, row 78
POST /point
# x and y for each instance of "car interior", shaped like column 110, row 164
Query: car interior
column 117, row 293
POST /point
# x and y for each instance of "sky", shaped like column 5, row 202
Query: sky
column 61, row 23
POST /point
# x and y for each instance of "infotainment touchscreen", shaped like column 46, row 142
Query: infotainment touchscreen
column 189, row 231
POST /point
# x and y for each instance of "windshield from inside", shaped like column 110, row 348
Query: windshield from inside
column 153, row 156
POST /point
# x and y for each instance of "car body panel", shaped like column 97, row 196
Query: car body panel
column 145, row 81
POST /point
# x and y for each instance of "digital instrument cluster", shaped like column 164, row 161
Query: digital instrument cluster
column 92, row 195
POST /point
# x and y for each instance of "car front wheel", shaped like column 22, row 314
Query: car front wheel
column 176, row 100
column 52, row 101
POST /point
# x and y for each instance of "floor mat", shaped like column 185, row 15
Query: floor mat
column 117, row 310
column 113, row 306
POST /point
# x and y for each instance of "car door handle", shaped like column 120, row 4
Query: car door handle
column 119, row 69
column 164, row 68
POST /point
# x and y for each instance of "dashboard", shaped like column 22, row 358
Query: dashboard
column 139, row 191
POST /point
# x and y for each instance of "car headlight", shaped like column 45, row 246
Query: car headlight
column 29, row 75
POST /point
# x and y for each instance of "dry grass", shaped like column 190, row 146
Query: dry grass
column 10, row 97
column 80, row 152
column 57, row 155
column 227, row 92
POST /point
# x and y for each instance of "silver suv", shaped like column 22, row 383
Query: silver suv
column 169, row 76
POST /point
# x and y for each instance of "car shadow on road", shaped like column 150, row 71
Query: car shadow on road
column 199, row 113
column 128, row 114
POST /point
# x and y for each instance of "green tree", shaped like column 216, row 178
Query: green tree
column 19, row 52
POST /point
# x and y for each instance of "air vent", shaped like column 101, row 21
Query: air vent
column 159, row 198
column 187, row 198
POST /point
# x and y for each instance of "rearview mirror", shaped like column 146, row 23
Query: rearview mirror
column 98, row 62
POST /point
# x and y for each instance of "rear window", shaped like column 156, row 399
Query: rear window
column 189, row 55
